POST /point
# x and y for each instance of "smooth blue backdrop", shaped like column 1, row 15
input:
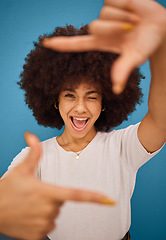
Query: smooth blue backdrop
column 21, row 22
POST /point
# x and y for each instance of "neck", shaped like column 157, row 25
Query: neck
column 70, row 143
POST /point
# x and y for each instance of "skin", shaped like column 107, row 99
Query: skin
column 29, row 207
column 137, row 31
column 85, row 101
column 132, row 28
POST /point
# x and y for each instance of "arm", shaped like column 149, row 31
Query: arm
column 137, row 31
column 152, row 130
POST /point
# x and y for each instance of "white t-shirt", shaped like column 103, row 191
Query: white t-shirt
column 108, row 164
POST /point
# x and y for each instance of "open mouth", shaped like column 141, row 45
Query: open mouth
column 79, row 123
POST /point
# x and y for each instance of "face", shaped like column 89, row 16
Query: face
column 79, row 109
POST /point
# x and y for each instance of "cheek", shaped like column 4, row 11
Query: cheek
column 64, row 108
column 96, row 110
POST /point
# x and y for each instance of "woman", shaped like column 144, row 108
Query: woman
column 74, row 90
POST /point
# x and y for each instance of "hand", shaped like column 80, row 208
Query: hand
column 29, row 207
column 132, row 28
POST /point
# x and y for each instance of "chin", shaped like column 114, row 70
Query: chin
column 79, row 135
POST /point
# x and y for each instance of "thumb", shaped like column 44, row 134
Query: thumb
column 30, row 162
column 122, row 69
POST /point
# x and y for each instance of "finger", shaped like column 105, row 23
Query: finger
column 122, row 69
column 109, row 28
column 30, row 162
column 81, row 43
column 51, row 226
column 123, row 4
column 71, row 44
column 112, row 13
column 108, row 44
column 62, row 194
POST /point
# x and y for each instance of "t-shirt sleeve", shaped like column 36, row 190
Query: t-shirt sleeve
column 18, row 159
column 132, row 151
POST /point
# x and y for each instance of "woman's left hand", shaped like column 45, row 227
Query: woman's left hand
column 132, row 28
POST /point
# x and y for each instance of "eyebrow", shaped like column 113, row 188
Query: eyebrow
column 68, row 90
column 87, row 93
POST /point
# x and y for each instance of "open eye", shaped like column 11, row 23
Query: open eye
column 69, row 95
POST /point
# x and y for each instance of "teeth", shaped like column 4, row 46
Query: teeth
column 80, row 119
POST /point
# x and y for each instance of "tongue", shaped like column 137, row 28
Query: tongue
column 79, row 123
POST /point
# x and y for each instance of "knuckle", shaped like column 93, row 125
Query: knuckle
column 48, row 226
column 92, row 26
column 49, row 209
column 73, row 194
column 41, row 229
column 38, row 236
column 103, row 11
column 79, row 195
column 51, row 227
column 127, row 3
column 106, row 2
column 56, row 213
column 44, row 223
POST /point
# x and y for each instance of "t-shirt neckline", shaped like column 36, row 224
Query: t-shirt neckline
column 83, row 150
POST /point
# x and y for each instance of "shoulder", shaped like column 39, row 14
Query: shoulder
column 45, row 145
column 48, row 142
column 118, row 134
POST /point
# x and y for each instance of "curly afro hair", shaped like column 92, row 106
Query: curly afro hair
column 46, row 72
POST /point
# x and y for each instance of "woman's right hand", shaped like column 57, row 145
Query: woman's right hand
column 28, row 206
column 132, row 28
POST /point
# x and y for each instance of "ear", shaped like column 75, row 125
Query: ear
column 56, row 105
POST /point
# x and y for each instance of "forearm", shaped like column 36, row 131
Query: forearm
column 157, row 94
column 2, row 205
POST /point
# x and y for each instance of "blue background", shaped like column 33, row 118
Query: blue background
column 21, row 22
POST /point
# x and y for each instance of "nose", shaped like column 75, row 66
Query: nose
column 80, row 106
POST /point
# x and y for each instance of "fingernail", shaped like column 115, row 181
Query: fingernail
column 127, row 27
column 107, row 201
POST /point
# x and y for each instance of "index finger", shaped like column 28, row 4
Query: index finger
column 71, row 44
column 62, row 194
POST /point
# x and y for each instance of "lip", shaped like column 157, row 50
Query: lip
column 79, row 117
column 78, row 129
